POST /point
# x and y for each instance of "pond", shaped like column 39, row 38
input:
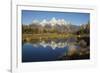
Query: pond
column 45, row 51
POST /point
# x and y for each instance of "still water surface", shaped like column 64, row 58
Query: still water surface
column 45, row 51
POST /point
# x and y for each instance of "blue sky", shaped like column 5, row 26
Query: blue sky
column 75, row 18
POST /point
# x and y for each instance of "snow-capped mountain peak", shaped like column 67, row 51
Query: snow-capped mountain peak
column 43, row 22
column 35, row 21
column 53, row 21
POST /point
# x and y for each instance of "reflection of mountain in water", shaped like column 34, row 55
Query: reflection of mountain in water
column 56, row 49
column 52, row 44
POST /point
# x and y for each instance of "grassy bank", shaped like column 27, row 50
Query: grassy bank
column 39, row 37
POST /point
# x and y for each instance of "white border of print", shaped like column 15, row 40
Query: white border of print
column 18, row 66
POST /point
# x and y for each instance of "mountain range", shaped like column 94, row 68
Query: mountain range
column 51, row 22
column 59, row 25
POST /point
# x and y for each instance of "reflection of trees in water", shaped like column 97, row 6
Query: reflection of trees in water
column 80, row 50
